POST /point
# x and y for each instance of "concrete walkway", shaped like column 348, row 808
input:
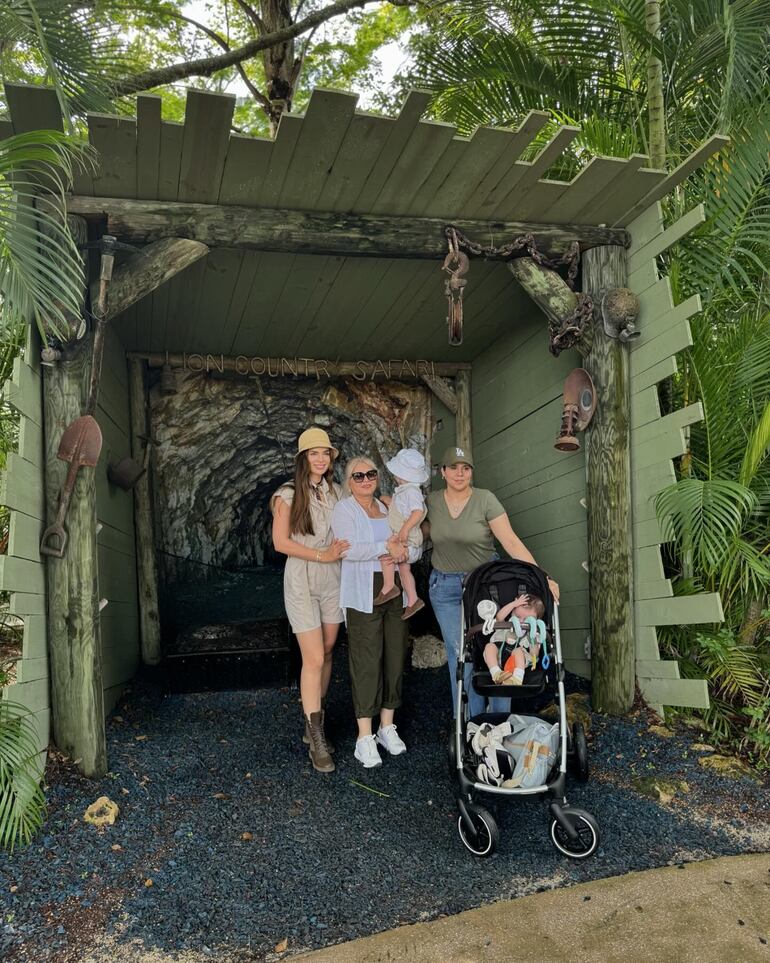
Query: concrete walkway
column 717, row 911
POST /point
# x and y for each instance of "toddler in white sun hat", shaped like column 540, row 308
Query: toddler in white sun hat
column 407, row 511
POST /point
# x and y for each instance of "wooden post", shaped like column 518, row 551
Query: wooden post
column 463, row 415
column 73, row 598
column 147, row 573
column 609, row 499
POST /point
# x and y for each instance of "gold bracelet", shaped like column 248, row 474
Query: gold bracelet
column 318, row 555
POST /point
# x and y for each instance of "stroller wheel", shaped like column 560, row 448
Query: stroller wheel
column 587, row 834
column 579, row 758
column 483, row 841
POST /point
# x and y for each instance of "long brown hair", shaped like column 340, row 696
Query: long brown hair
column 300, row 519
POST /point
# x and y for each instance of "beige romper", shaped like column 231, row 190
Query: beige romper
column 311, row 590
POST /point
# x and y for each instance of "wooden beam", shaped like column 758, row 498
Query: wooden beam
column 147, row 572
column 463, row 414
column 396, row 369
column 608, row 489
column 320, row 232
column 548, row 290
column 443, row 390
column 74, row 636
column 142, row 273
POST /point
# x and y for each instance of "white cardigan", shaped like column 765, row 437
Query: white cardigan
column 350, row 521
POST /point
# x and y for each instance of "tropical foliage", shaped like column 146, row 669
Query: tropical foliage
column 22, row 801
column 593, row 64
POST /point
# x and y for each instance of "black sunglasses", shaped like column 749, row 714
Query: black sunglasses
column 358, row 476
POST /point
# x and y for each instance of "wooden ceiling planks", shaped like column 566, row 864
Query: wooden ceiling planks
column 525, row 175
column 289, row 129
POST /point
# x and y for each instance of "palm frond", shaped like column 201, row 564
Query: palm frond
column 22, row 801
column 41, row 275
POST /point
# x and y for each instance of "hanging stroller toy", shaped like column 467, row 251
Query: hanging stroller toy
column 509, row 755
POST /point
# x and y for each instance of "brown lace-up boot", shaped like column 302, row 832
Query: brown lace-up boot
column 318, row 751
column 306, row 734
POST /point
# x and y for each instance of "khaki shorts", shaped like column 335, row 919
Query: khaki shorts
column 311, row 594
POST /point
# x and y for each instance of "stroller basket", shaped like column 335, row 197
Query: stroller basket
column 573, row 831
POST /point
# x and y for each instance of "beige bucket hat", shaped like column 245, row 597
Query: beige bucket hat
column 315, row 438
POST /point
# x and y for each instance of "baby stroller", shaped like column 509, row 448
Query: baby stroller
column 574, row 832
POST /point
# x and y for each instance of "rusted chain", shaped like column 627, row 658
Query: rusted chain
column 570, row 331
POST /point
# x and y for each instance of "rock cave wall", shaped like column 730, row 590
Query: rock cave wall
column 222, row 445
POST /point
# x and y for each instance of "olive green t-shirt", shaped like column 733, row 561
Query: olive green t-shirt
column 460, row 544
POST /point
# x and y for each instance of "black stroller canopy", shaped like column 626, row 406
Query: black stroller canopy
column 502, row 581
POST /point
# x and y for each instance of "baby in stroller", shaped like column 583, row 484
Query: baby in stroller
column 510, row 650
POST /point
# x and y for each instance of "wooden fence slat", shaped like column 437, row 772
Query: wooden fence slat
column 691, row 693
column 663, row 241
column 114, row 139
column 421, row 154
column 148, row 125
column 526, row 174
column 25, row 604
column 657, row 669
column 681, row 610
column 33, row 108
column 205, row 140
column 324, row 126
column 679, row 174
column 472, row 160
column 245, row 169
column 680, row 418
column 23, row 392
column 596, row 178
column 400, row 131
column 21, row 575
column 486, row 194
column 171, row 134
column 24, row 536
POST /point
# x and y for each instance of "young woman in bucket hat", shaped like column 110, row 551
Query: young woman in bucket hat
column 463, row 523
column 302, row 513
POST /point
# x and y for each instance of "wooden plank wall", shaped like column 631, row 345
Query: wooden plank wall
column 115, row 512
column 516, row 414
column 655, row 440
column 22, row 571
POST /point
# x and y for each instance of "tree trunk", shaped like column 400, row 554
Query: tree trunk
column 609, row 499
column 281, row 66
column 74, row 635
column 656, row 113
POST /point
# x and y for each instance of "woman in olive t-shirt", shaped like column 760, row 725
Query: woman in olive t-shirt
column 463, row 524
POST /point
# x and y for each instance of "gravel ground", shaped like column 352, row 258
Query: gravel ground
column 228, row 843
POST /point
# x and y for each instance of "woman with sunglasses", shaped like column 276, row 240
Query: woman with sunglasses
column 311, row 580
column 377, row 635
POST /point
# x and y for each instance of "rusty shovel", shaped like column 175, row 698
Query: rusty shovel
column 80, row 444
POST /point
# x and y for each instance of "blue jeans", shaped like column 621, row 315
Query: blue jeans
column 446, row 595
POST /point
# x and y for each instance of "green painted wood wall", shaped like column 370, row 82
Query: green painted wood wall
column 516, row 407
column 117, row 550
column 655, row 441
column 22, row 571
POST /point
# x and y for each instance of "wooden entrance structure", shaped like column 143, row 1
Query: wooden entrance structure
column 326, row 242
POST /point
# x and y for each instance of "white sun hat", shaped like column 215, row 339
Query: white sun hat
column 409, row 465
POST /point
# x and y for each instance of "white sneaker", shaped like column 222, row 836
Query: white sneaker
column 392, row 741
column 366, row 752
